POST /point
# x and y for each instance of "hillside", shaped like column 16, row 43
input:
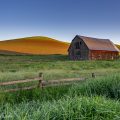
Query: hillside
column 34, row 45
column 118, row 46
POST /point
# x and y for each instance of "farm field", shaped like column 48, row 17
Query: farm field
column 34, row 45
column 93, row 99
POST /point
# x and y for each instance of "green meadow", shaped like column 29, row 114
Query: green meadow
column 94, row 99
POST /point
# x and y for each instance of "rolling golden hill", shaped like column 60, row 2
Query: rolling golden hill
column 34, row 45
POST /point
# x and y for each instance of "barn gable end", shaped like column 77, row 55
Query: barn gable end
column 78, row 50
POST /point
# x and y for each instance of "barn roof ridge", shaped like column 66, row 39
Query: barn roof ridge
column 93, row 37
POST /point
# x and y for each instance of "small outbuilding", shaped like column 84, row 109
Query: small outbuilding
column 88, row 48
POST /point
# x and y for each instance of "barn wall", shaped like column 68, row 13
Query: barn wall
column 79, row 53
column 103, row 55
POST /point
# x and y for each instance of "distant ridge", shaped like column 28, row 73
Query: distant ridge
column 34, row 45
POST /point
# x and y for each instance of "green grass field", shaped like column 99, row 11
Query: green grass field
column 93, row 99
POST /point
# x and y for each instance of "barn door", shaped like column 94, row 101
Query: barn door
column 78, row 54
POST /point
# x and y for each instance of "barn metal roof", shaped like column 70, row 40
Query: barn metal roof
column 99, row 44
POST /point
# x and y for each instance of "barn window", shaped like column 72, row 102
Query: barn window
column 77, row 45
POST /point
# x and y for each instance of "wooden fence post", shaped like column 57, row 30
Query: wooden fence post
column 93, row 75
column 40, row 81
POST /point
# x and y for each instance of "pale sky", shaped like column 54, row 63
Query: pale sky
column 60, row 19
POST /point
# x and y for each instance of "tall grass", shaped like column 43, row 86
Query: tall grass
column 46, row 94
column 84, row 108
column 108, row 86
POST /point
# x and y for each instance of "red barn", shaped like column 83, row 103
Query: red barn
column 88, row 48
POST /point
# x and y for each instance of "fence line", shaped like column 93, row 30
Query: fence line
column 41, row 82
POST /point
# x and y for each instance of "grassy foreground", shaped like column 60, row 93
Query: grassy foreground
column 93, row 99
column 83, row 108
column 89, row 100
